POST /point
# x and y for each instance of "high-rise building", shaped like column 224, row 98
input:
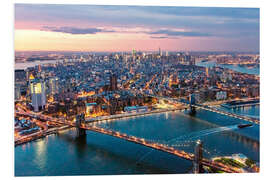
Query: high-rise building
column 20, row 75
column 39, row 68
column 31, row 78
column 133, row 52
column 206, row 72
column 53, row 85
column 192, row 61
column 189, row 60
column 17, row 91
column 38, row 95
column 113, row 82
column 159, row 52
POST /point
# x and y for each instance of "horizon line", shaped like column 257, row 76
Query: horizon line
column 136, row 51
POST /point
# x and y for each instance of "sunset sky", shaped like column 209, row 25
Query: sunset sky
column 122, row 28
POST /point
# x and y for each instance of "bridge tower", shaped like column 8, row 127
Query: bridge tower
column 192, row 101
column 197, row 165
column 79, row 120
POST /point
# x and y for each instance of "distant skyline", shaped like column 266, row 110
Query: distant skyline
column 44, row 27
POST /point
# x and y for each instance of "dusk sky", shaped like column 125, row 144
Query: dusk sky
column 123, row 28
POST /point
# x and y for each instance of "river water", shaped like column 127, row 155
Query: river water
column 26, row 65
column 64, row 154
column 252, row 70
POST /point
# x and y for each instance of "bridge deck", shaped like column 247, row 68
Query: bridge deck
column 142, row 141
column 207, row 108
column 245, row 118
column 161, row 147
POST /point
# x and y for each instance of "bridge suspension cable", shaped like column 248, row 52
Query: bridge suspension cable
column 192, row 139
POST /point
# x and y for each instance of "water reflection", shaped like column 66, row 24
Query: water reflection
column 81, row 146
column 244, row 140
column 101, row 154
column 166, row 115
column 40, row 157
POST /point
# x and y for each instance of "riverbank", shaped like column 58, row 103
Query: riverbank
column 41, row 134
column 127, row 115
column 219, row 102
column 254, row 70
column 241, row 103
column 99, row 154
column 246, row 164
column 38, row 135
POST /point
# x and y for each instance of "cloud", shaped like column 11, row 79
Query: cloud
column 181, row 33
column 151, row 16
column 167, row 32
column 221, row 22
column 159, row 37
column 84, row 31
column 74, row 30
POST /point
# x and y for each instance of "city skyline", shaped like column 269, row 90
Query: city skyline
column 109, row 28
column 122, row 90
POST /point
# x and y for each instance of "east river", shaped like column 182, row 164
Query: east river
column 64, row 154
column 251, row 70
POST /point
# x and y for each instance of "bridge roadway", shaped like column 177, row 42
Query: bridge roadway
column 164, row 148
column 142, row 141
column 207, row 108
column 245, row 118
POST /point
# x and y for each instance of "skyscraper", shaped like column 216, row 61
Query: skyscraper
column 38, row 95
column 133, row 52
column 53, row 85
column 39, row 68
column 192, row 61
column 113, row 82
column 206, row 72
column 20, row 75
column 17, row 91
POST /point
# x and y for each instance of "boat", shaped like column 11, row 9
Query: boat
column 204, row 60
column 244, row 125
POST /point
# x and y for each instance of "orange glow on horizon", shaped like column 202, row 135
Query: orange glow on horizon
column 37, row 40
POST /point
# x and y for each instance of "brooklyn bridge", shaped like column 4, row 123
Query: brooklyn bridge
column 82, row 127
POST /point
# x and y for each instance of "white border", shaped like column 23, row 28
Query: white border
column 7, row 53
column 205, row 3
